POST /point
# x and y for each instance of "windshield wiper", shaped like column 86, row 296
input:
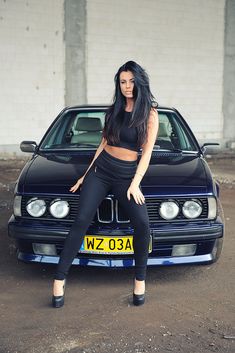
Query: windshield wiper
column 157, row 148
column 174, row 150
column 68, row 146
column 84, row 144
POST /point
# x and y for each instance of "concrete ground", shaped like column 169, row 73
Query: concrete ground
column 188, row 309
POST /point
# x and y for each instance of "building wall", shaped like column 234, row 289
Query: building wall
column 32, row 71
column 229, row 75
column 180, row 44
column 75, row 52
column 62, row 52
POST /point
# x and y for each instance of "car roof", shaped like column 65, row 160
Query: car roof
column 105, row 106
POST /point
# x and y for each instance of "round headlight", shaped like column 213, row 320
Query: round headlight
column 59, row 208
column 192, row 209
column 36, row 207
column 168, row 209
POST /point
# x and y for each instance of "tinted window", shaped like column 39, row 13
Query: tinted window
column 75, row 130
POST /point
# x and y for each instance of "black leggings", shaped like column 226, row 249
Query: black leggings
column 107, row 174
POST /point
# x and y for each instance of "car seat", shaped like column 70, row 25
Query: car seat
column 87, row 130
column 163, row 139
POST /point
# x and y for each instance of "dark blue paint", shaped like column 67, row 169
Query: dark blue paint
column 170, row 175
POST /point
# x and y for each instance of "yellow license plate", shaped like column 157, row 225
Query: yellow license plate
column 94, row 244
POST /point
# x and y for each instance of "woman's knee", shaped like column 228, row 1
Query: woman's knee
column 141, row 223
column 83, row 219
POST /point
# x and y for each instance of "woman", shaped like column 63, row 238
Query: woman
column 131, row 123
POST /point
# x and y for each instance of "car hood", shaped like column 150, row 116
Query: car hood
column 167, row 173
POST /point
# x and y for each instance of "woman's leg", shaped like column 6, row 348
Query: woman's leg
column 140, row 221
column 93, row 191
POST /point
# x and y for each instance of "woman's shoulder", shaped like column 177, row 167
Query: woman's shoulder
column 153, row 115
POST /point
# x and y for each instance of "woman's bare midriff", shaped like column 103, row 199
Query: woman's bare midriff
column 121, row 153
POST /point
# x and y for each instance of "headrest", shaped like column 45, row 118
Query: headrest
column 162, row 132
column 89, row 124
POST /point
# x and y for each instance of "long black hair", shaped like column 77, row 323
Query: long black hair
column 143, row 102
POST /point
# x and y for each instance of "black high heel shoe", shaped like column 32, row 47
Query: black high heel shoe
column 58, row 300
column 138, row 299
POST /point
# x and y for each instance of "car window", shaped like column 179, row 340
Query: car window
column 173, row 134
column 83, row 129
column 75, row 129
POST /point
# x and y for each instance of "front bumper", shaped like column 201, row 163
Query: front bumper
column 207, row 235
column 180, row 260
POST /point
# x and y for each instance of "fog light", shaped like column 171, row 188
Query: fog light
column 184, row 250
column 44, row 249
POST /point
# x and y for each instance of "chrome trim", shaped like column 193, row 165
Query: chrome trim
column 116, row 211
column 112, row 212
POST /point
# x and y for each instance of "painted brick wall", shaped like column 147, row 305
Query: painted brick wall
column 32, row 68
column 179, row 42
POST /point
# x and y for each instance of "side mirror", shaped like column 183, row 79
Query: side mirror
column 28, row 146
column 203, row 147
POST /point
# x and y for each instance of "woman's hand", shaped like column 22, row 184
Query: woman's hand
column 135, row 191
column 77, row 185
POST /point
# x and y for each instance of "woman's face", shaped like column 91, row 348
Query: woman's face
column 126, row 79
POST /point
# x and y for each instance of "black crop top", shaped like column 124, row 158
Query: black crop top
column 128, row 135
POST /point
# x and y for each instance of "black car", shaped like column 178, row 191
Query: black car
column 182, row 198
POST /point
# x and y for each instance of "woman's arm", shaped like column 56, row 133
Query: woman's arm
column 147, row 148
column 143, row 164
column 98, row 151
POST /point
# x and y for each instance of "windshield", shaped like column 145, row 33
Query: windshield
column 173, row 134
column 83, row 130
column 75, row 129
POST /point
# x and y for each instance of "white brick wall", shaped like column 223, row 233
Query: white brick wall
column 178, row 42
column 32, row 68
